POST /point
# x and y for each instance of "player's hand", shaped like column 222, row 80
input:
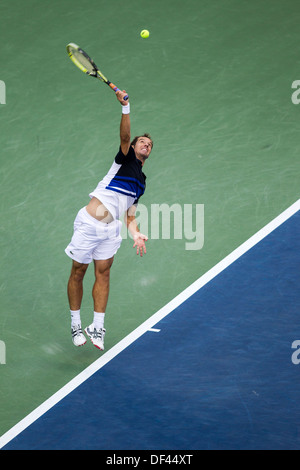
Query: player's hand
column 139, row 243
column 120, row 96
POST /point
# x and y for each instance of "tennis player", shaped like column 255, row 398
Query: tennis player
column 97, row 227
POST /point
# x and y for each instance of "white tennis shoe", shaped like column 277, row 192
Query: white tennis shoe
column 96, row 336
column 78, row 337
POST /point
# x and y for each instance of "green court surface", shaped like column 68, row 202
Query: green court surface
column 212, row 85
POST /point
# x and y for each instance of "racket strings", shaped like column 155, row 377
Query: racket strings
column 79, row 56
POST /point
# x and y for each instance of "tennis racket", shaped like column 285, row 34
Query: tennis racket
column 81, row 59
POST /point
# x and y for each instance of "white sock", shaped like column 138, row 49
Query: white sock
column 75, row 318
column 98, row 320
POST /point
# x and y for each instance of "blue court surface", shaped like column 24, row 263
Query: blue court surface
column 217, row 375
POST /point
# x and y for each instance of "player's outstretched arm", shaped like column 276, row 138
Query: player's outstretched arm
column 125, row 122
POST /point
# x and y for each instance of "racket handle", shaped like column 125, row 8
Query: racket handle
column 115, row 88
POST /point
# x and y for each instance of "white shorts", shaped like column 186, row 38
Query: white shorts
column 92, row 239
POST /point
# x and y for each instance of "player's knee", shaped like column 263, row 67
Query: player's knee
column 103, row 274
column 102, row 268
column 78, row 272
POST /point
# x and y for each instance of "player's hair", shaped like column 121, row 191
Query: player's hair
column 134, row 141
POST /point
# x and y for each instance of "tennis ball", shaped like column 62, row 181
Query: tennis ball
column 145, row 33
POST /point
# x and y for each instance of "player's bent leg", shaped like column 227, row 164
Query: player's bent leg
column 75, row 284
column 96, row 330
column 101, row 286
column 75, row 292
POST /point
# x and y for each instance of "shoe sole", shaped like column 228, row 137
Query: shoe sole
column 79, row 345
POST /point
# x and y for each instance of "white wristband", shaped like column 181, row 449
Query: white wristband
column 126, row 109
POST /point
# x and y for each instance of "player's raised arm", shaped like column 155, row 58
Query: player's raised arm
column 125, row 122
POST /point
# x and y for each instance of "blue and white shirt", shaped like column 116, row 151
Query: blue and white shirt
column 123, row 185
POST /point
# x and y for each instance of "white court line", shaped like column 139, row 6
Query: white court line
column 148, row 324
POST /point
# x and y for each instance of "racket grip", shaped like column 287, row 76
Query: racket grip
column 115, row 88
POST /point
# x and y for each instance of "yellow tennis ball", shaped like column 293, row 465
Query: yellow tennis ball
column 145, row 33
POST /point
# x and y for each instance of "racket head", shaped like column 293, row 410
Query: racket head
column 82, row 60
